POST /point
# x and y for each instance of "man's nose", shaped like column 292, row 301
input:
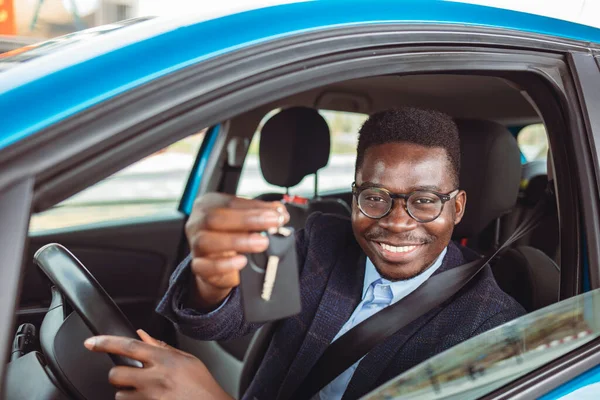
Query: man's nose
column 398, row 220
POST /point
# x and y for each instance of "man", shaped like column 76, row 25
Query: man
column 406, row 203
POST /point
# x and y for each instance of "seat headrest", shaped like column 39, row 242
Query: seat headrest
column 490, row 173
column 536, row 189
column 294, row 143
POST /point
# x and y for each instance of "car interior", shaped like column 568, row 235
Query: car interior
column 132, row 259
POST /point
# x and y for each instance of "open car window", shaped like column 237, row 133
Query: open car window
column 146, row 188
column 493, row 359
column 29, row 52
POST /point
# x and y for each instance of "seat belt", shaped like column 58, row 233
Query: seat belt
column 358, row 341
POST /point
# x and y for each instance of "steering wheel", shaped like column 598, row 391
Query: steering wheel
column 83, row 292
column 75, row 370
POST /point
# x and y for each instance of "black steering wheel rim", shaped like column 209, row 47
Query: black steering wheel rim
column 89, row 300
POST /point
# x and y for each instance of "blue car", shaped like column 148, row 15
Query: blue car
column 109, row 134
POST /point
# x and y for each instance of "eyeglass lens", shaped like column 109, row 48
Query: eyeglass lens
column 421, row 205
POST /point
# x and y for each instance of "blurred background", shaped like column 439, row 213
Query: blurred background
column 50, row 18
column 44, row 19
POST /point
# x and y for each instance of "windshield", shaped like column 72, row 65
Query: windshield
column 491, row 360
column 23, row 54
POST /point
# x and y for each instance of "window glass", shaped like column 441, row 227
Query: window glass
column 18, row 56
column 533, row 142
column 337, row 175
column 493, row 359
column 151, row 185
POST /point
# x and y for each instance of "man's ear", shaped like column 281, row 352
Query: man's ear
column 460, row 202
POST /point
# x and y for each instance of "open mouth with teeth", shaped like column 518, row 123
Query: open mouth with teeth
column 397, row 253
column 399, row 249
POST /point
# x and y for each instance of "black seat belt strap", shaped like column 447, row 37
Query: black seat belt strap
column 358, row 341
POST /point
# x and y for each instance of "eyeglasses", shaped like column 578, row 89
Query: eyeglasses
column 422, row 205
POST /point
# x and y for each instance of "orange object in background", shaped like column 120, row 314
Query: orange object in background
column 8, row 24
column 294, row 199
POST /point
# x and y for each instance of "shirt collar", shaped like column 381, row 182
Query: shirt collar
column 399, row 287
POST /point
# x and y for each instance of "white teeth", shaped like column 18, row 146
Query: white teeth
column 394, row 249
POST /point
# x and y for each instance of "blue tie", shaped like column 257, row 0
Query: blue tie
column 378, row 296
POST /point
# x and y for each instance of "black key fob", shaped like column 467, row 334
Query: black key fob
column 269, row 284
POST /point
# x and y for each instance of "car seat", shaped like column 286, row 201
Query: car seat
column 295, row 143
column 491, row 175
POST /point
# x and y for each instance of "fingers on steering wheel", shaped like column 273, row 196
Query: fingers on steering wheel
column 127, row 377
column 130, row 395
column 158, row 343
column 123, row 346
column 146, row 338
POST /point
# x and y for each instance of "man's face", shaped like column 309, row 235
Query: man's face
column 404, row 168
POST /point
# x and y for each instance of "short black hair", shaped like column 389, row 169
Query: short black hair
column 427, row 128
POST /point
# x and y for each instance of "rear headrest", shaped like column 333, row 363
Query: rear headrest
column 536, row 189
column 293, row 144
column 490, row 173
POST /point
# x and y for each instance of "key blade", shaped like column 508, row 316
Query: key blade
column 283, row 231
column 270, row 274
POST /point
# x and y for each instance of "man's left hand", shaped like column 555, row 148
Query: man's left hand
column 168, row 373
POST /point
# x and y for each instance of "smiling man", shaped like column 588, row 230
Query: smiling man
column 406, row 202
column 407, row 171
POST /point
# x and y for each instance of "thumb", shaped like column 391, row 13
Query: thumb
column 146, row 338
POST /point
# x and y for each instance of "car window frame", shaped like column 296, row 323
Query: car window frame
column 585, row 96
column 583, row 90
column 147, row 118
column 587, row 81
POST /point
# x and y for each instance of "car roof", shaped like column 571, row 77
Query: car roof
column 67, row 75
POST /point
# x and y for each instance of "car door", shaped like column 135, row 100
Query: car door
column 475, row 368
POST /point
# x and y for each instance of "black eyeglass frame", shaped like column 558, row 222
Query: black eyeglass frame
column 444, row 198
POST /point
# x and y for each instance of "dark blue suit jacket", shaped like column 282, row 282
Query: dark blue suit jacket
column 331, row 285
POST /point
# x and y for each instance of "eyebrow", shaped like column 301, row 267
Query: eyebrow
column 412, row 189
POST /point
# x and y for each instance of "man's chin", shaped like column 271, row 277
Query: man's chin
column 395, row 273
column 401, row 267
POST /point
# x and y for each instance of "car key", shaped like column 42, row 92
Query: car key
column 269, row 283
column 272, row 264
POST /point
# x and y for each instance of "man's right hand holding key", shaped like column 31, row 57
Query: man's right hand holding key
column 220, row 230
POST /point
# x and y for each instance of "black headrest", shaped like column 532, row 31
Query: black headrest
column 293, row 144
column 490, row 173
column 536, row 189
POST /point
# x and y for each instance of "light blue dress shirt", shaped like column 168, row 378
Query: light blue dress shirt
column 378, row 293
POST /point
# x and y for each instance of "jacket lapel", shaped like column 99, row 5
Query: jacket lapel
column 341, row 296
column 375, row 363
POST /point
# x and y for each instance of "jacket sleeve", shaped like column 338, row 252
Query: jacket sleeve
column 499, row 318
column 226, row 322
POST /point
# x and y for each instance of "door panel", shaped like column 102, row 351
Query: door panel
column 131, row 259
